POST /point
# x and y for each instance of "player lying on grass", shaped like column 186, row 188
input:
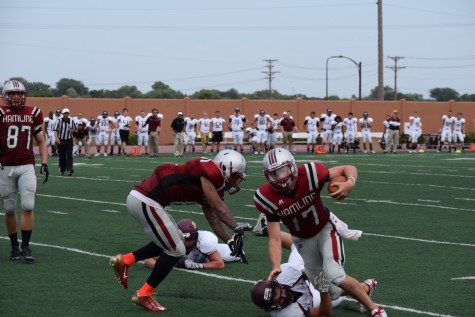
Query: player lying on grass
column 202, row 249
column 291, row 276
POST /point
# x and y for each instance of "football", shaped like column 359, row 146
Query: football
column 333, row 188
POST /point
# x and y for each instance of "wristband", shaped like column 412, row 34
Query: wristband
column 353, row 179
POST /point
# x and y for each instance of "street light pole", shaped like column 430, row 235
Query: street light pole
column 358, row 66
column 326, row 78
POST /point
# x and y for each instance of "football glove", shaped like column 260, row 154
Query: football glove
column 192, row 265
column 236, row 242
column 44, row 170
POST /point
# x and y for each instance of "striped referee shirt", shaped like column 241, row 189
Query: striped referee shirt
column 63, row 128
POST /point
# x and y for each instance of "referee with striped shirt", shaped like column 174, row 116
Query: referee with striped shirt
column 64, row 129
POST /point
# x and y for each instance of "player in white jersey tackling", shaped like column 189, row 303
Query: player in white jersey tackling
column 237, row 124
column 415, row 131
column 310, row 125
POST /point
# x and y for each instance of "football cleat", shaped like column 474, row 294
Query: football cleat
column 121, row 270
column 379, row 312
column 26, row 253
column 16, row 254
column 372, row 286
column 147, row 302
column 260, row 229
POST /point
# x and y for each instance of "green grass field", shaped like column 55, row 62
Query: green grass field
column 417, row 213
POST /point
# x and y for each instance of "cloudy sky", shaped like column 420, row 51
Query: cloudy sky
column 191, row 45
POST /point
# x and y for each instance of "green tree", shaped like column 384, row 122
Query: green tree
column 467, row 97
column 71, row 92
column 388, row 94
column 206, row 94
column 231, row 93
column 161, row 90
column 129, row 91
column 64, row 84
column 444, row 94
column 413, row 97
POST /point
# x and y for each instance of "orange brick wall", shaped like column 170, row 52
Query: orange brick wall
column 430, row 112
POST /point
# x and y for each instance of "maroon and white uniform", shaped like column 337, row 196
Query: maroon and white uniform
column 309, row 223
column 16, row 129
column 171, row 184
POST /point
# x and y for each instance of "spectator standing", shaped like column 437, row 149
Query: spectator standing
column 394, row 130
column 205, row 124
column 365, row 124
column 65, row 128
column 124, row 122
column 288, row 128
column 154, row 123
column 217, row 124
column 178, row 127
column 21, row 124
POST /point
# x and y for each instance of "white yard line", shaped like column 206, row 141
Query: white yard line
column 57, row 212
column 463, row 278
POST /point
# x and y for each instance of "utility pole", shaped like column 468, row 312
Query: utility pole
column 380, row 52
column 270, row 73
column 395, row 68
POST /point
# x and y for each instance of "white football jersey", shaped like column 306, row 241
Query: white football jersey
column 140, row 122
column 50, row 124
column 205, row 123
column 237, row 122
column 206, row 244
column 311, row 123
column 365, row 123
column 275, row 123
column 105, row 123
column 447, row 122
column 337, row 127
column 261, row 121
column 327, row 120
column 217, row 124
column 350, row 124
column 190, row 124
column 124, row 122
column 416, row 123
column 458, row 124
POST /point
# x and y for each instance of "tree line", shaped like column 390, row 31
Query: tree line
column 159, row 90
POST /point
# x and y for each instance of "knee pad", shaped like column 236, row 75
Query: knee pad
column 335, row 273
column 9, row 204
column 28, row 201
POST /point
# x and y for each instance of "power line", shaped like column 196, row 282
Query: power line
column 270, row 73
column 395, row 68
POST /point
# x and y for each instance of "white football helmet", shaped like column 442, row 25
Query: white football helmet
column 233, row 165
column 14, row 101
column 280, row 169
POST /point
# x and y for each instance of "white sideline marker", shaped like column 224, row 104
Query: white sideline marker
column 57, row 212
column 109, row 210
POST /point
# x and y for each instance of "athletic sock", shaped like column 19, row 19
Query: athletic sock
column 14, row 239
column 149, row 250
column 163, row 266
column 25, row 238
column 128, row 259
column 146, row 290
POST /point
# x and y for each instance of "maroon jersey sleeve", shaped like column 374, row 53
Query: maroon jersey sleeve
column 17, row 129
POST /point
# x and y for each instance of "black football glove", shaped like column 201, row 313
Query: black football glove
column 44, row 170
column 236, row 242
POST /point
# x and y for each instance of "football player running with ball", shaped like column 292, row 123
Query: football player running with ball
column 200, row 180
column 19, row 124
column 292, row 195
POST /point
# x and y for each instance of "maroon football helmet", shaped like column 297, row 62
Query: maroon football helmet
column 271, row 296
column 190, row 233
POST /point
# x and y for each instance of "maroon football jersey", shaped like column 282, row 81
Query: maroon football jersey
column 301, row 210
column 17, row 128
column 180, row 183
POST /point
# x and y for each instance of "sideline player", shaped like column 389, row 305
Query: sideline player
column 327, row 133
column 458, row 134
column 205, row 124
column 415, row 131
column 141, row 129
column 190, row 132
column 310, row 125
column 19, row 125
column 237, row 122
column 106, row 125
column 446, row 136
column 365, row 125
column 50, row 123
column 350, row 124
column 262, row 122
